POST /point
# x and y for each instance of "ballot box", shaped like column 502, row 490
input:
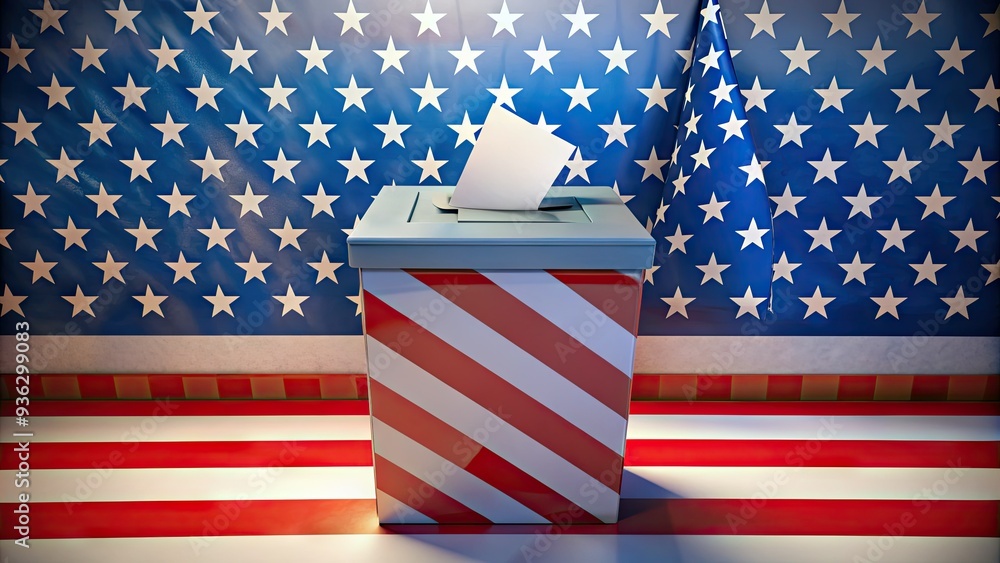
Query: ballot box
column 500, row 347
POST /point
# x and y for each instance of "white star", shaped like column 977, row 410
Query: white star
column 165, row 56
column 792, row 131
column 988, row 95
column 249, row 201
column 580, row 20
column 786, row 202
column 278, row 94
column 314, row 56
column 290, row 301
column 56, row 93
column 944, row 131
column 816, row 303
column 658, row 20
column 968, row 237
column 428, row 20
column 994, row 270
column 351, row 18
column 182, row 268
column 722, row 92
column 112, row 270
column 391, row 57
column 325, row 270
column 822, row 236
column 856, row 269
column 541, row 124
column 32, row 201
column 16, row 55
column 647, row 274
column 678, row 303
column 976, row 168
column 81, row 303
column 763, row 21
column 686, row 55
column 710, row 13
column 541, row 57
column 244, row 131
column 200, row 19
column 133, row 94
column 959, row 303
column 221, row 303
column 953, row 57
column 40, row 268
column 353, row 95
column 178, row 202
column 317, row 131
column 652, row 166
column 901, row 167
column 733, row 127
column 150, row 302
column 11, row 302
column 349, row 231
column 429, row 94
column 429, row 166
column 356, row 167
column 826, row 168
column 867, row 132
column 701, row 157
column 282, row 167
column 254, row 269
column 680, row 182
column 275, row 19
column 713, row 270
column 105, row 201
column 206, row 94
column 753, row 235
column 578, row 166
column 756, row 95
column 289, row 236
column 393, row 132
column 754, row 170
column 240, row 56
column 799, row 57
column 617, row 56
column 23, row 129
column 466, row 131
column 894, row 236
column 656, row 95
column 711, row 60
column 677, row 241
column 992, row 22
column 138, row 166
column 65, row 166
column 466, row 57
column 124, row 17
column 50, row 17
column 887, row 304
column 833, row 96
column 934, row 203
column 783, row 269
column 861, row 203
column 876, row 56
column 216, row 235
column 98, row 130
column 171, row 131
column 321, row 202
column 927, row 270
column 909, row 96
column 624, row 198
column 356, row 299
column 91, row 56
column 211, row 166
column 841, row 20
column 616, row 131
column 748, row 304
column 921, row 20
column 143, row 235
column 505, row 20
column 504, row 94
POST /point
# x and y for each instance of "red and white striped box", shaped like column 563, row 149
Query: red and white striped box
column 499, row 396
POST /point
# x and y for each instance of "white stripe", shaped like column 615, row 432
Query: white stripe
column 570, row 312
column 497, row 548
column 468, row 335
column 812, row 483
column 466, row 416
column 743, row 427
column 214, row 483
column 393, row 510
column 133, row 430
column 448, row 478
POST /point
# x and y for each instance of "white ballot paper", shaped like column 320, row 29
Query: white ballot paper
column 512, row 166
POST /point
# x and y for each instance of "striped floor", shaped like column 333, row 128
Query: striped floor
column 168, row 481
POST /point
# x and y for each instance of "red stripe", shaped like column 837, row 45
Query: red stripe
column 421, row 496
column 206, row 519
column 160, row 407
column 817, row 408
column 474, row 457
column 805, row 453
column 533, row 333
column 593, row 285
column 170, row 455
column 490, row 391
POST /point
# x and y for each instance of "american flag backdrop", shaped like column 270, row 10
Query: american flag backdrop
column 194, row 167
